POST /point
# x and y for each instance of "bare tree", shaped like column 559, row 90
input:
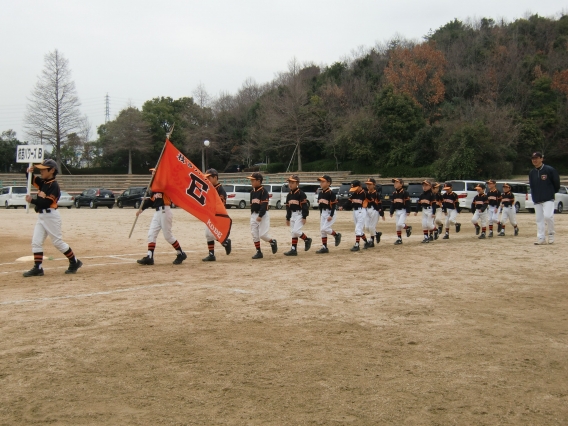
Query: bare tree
column 53, row 109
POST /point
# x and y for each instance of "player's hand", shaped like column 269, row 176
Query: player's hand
column 415, row 213
column 329, row 218
column 41, row 194
column 303, row 221
column 30, row 169
column 29, row 198
column 384, row 219
column 391, row 215
column 287, row 223
column 259, row 219
column 138, row 212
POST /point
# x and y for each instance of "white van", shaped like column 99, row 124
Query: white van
column 309, row 188
column 275, row 194
column 466, row 191
column 520, row 190
column 238, row 195
column 13, row 196
column 560, row 200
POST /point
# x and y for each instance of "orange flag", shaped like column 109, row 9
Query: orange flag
column 188, row 188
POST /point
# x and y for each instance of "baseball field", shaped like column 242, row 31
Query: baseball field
column 463, row 331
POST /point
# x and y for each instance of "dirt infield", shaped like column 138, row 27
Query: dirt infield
column 455, row 332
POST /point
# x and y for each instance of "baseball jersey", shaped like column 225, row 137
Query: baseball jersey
column 494, row 198
column 356, row 198
column 507, row 199
column 373, row 199
column 480, row 202
column 296, row 201
column 400, row 201
column 50, row 188
column 327, row 201
column 259, row 201
column 439, row 198
column 450, row 201
column 222, row 193
column 427, row 199
column 156, row 200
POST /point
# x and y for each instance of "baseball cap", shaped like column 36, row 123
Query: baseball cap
column 480, row 186
column 325, row 177
column 356, row 182
column 506, row 185
column 47, row 164
column 447, row 186
column 491, row 181
column 211, row 172
column 436, row 185
column 255, row 176
column 293, row 178
column 426, row 182
column 371, row 180
column 536, row 155
column 152, row 169
column 397, row 180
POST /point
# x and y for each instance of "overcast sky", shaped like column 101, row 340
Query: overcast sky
column 137, row 50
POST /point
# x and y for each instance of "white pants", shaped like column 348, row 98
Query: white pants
column 480, row 217
column 544, row 216
column 259, row 230
column 296, row 224
column 439, row 217
column 492, row 214
column 400, row 217
column 209, row 235
column 48, row 224
column 427, row 223
column 326, row 227
column 371, row 220
column 510, row 214
column 451, row 217
column 162, row 221
column 359, row 219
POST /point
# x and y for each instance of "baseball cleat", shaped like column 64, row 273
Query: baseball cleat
column 446, row 236
column 490, row 234
column 378, row 237
column 436, row 234
column 274, row 246
column 458, row 227
column 291, row 253
column 425, row 240
column 367, row 245
column 540, row 243
column 499, row 227
column 209, row 258
column 258, row 255
column 337, row 239
column 179, row 258
column 227, row 246
column 355, row 248
column 408, row 231
column 73, row 267
column 477, row 229
column 323, row 250
column 308, row 244
column 146, row 261
column 501, row 233
column 440, row 229
column 550, row 240
column 431, row 237
column 34, row 272
column 398, row 241
column 516, row 231
column 482, row 236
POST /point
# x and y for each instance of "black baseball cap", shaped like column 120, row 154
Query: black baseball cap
column 325, row 177
column 211, row 172
column 480, row 186
column 293, row 178
column 447, row 185
column 356, row 182
column 255, row 176
column 491, row 181
column 371, row 181
column 537, row 155
column 47, row 164
column 397, row 180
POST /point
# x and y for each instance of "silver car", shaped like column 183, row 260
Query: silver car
column 66, row 200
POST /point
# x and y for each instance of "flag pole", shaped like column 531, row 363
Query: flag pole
column 151, row 179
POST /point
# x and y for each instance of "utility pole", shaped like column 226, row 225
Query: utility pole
column 107, row 109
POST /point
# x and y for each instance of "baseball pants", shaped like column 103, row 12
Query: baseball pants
column 544, row 217
column 371, row 220
column 510, row 214
column 326, row 227
column 451, row 217
column 296, row 224
column 359, row 219
column 439, row 217
column 427, row 223
column 162, row 221
column 48, row 224
column 480, row 217
column 493, row 214
column 400, row 217
column 259, row 230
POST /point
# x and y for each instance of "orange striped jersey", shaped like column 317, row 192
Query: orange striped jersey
column 50, row 188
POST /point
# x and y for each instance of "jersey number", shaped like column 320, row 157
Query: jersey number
column 197, row 189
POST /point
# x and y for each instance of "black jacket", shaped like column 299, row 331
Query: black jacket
column 544, row 183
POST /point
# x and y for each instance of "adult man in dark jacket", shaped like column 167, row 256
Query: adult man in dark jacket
column 544, row 182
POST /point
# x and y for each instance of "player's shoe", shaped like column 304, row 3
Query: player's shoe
column 540, row 242
column 490, row 234
column 436, row 234
column 516, row 231
column 446, row 236
column 501, row 233
column 477, row 229
column 308, row 244
column 499, row 227
column 179, row 258
column 550, row 240
column 398, row 241
column 440, row 229
column 337, row 239
column 458, row 227
column 210, row 258
column 258, row 255
column 34, row 272
column 355, row 247
column 367, row 245
column 425, row 239
column 431, row 237
column 227, row 246
column 274, row 246
column 73, row 267
column 323, row 250
column 408, row 231
column 291, row 253
column 146, row 261
column 378, row 237
column 482, row 236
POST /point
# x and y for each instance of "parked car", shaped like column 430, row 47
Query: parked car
column 238, row 195
column 560, row 200
column 308, row 187
column 65, row 200
column 315, row 205
column 131, row 197
column 414, row 190
column 235, row 168
column 386, row 193
column 343, row 194
column 95, row 197
column 465, row 190
column 520, row 190
column 13, row 196
column 275, row 193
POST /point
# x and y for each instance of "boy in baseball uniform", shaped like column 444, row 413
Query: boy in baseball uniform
column 479, row 209
column 427, row 204
column 451, row 207
column 213, row 176
column 327, row 203
column 494, row 201
column 297, row 212
column 49, row 220
column 509, row 213
column 259, row 218
column 374, row 208
column 356, row 200
column 161, row 221
column 401, row 206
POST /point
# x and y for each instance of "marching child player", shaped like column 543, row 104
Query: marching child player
column 374, row 210
column 438, row 216
column 494, row 200
column 48, row 220
column 508, row 210
column 259, row 218
column 297, row 212
column 451, row 207
column 356, row 200
column 427, row 204
column 327, row 203
column 401, row 205
column 161, row 221
column 213, row 176
column 479, row 209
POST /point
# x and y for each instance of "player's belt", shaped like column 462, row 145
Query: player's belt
column 357, row 207
column 45, row 211
column 161, row 208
